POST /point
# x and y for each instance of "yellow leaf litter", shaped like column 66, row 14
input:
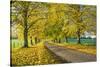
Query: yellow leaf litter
column 34, row 55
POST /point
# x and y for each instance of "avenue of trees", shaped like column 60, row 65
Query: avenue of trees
column 39, row 20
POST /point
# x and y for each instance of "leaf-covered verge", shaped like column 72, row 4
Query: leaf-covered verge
column 90, row 49
column 35, row 55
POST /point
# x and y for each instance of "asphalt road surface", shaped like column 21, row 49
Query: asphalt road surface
column 70, row 55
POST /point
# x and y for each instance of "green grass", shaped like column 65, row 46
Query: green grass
column 83, row 41
column 15, row 43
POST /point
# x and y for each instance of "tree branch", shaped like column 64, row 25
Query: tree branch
column 34, row 22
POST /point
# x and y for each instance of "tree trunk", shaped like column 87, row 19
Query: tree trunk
column 31, row 40
column 59, row 40
column 79, row 37
column 66, row 39
column 25, row 38
column 35, row 40
column 80, row 21
column 25, row 29
column 79, row 40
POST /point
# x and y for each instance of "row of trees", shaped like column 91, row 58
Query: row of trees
column 53, row 21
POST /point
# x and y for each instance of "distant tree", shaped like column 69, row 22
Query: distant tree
column 84, row 17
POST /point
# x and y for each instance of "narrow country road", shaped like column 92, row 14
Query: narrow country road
column 70, row 55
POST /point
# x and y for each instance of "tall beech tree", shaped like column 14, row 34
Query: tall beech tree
column 26, row 14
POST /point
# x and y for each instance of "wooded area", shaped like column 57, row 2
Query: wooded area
column 36, row 22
